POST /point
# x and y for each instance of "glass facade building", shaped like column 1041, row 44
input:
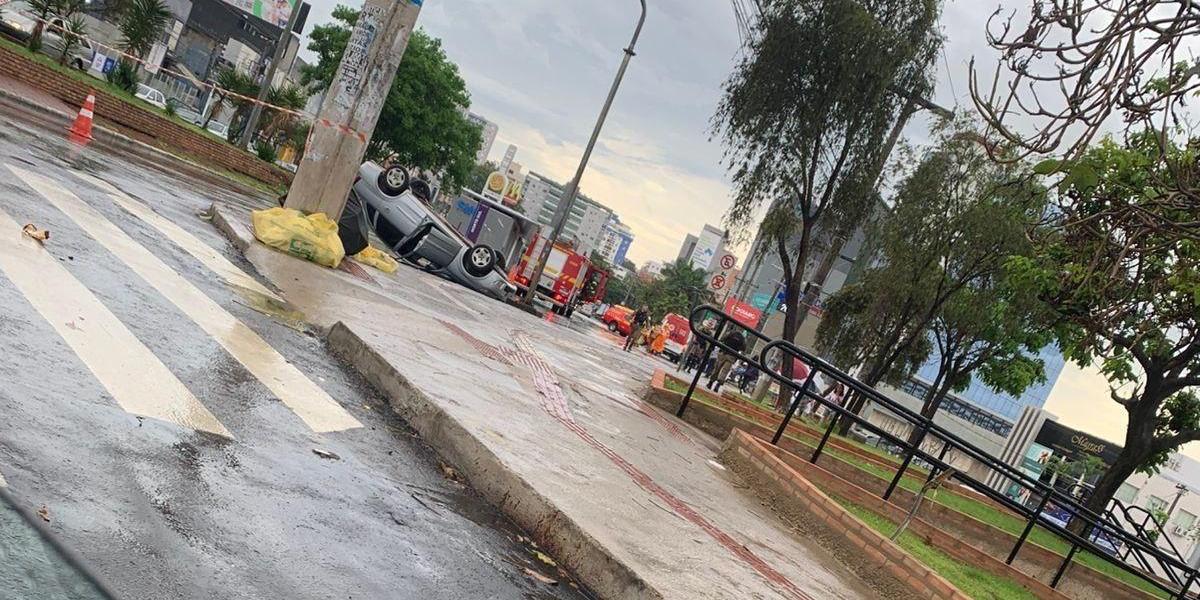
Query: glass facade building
column 979, row 395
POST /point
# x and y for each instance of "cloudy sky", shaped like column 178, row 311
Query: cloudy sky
column 540, row 69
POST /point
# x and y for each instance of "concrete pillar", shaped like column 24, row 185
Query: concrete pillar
column 352, row 106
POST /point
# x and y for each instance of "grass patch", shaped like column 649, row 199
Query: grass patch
column 985, row 512
column 1012, row 524
column 971, row 580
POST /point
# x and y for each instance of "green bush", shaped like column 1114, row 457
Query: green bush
column 265, row 151
column 170, row 109
column 123, row 76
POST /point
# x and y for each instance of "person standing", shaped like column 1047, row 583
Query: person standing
column 640, row 318
column 735, row 341
column 660, row 339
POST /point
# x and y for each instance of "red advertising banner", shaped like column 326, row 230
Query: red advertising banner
column 743, row 313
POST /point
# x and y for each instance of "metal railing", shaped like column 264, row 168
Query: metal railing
column 1094, row 529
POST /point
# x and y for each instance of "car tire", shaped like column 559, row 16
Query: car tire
column 612, row 326
column 352, row 227
column 478, row 261
column 393, row 180
column 421, row 190
column 78, row 64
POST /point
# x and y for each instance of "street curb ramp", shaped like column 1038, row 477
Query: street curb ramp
column 583, row 555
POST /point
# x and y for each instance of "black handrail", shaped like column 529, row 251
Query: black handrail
column 1095, row 526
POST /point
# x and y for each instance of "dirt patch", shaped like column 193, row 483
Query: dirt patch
column 805, row 525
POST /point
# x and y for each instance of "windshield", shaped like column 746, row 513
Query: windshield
column 34, row 566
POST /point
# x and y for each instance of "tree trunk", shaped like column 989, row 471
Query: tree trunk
column 932, row 402
column 1125, row 465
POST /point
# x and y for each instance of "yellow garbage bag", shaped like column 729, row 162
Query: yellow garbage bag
column 313, row 237
column 377, row 258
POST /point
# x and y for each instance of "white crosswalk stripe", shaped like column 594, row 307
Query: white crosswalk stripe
column 312, row 404
column 139, row 382
column 208, row 256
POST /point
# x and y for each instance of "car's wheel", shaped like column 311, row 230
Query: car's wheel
column 393, row 180
column 78, row 64
column 479, row 261
column 421, row 190
column 352, row 227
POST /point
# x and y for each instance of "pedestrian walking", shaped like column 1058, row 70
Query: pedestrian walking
column 640, row 318
column 736, row 342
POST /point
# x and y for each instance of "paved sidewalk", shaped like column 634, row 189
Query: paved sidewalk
column 547, row 422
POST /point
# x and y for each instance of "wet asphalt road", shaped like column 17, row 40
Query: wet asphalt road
column 162, row 511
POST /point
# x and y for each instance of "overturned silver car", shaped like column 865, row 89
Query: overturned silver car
column 397, row 209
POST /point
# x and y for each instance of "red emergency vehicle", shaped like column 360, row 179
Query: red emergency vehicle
column 568, row 280
column 677, row 340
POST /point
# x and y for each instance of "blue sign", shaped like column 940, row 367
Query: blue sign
column 467, row 207
column 760, row 301
column 622, row 250
column 108, row 65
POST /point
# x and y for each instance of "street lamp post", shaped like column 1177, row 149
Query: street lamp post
column 564, row 206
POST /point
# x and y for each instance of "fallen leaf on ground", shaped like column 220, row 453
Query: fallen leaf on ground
column 546, row 559
column 326, row 454
column 538, row 576
column 31, row 230
column 449, row 472
column 44, row 513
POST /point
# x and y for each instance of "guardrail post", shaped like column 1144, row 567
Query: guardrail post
column 824, row 440
column 796, row 400
column 908, row 456
column 1187, row 586
column 1062, row 569
column 1028, row 528
column 700, row 369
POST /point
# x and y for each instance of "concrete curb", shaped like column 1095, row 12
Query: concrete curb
column 570, row 544
column 151, row 156
column 240, row 237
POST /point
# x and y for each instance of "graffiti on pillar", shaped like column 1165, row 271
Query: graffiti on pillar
column 354, row 61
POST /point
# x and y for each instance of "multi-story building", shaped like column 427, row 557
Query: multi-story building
column 700, row 250
column 615, row 242
column 585, row 223
column 489, row 131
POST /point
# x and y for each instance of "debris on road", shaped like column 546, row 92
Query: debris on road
column 31, row 230
column 313, row 237
column 544, row 558
column 449, row 472
column 44, row 513
column 377, row 258
column 538, row 576
column 326, row 454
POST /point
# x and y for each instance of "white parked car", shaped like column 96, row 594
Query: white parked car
column 218, row 128
column 151, row 96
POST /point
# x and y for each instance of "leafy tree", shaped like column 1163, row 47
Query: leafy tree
column 957, row 219
column 142, row 24
column 423, row 120
column 275, row 121
column 627, row 291
column 74, row 28
column 234, row 89
column 1123, row 277
column 479, row 175
column 680, row 288
column 806, row 114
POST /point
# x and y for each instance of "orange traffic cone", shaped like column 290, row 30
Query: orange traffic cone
column 81, row 130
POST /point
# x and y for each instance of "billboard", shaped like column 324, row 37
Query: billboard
column 743, row 313
column 275, row 12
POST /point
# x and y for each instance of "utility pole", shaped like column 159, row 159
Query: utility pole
column 281, row 46
column 568, row 200
column 353, row 104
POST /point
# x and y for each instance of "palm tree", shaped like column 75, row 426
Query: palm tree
column 230, row 80
column 73, row 29
column 285, row 96
column 43, row 9
column 143, row 25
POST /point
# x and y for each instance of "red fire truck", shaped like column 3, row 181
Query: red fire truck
column 568, row 280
